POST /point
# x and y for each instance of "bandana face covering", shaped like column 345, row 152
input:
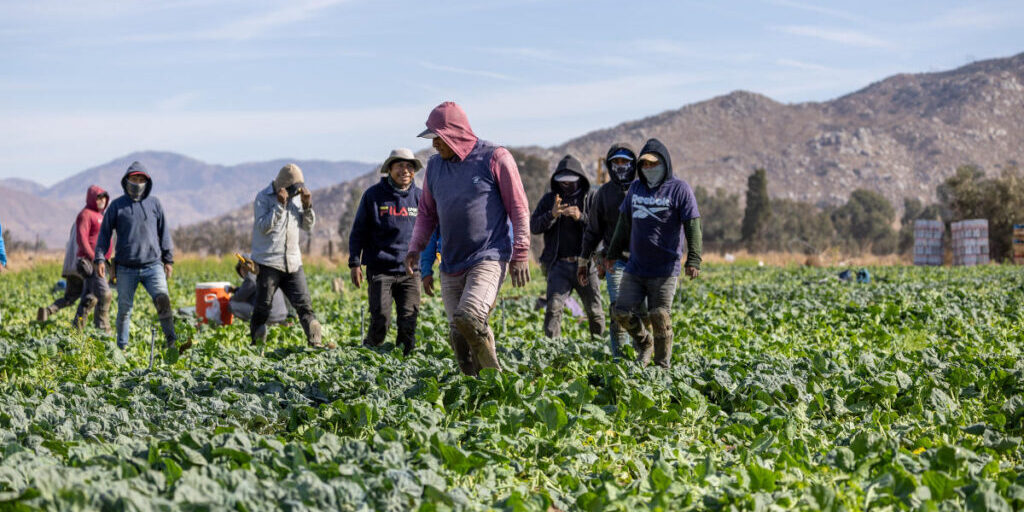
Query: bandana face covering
column 654, row 175
column 135, row 190
column 624, row 173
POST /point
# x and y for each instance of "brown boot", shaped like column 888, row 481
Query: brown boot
column 480, row 339
column 87, row 305
column 101, row 316
column 662, row 331
column 43, row 314
column 463, row 354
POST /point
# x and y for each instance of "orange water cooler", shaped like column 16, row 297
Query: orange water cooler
column 212, row 303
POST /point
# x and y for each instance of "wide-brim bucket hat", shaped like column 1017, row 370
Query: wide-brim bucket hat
column 400, row 154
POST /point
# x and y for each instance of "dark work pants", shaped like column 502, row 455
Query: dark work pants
column 404, row 291
column 295, row 290
column 628, row 310
column 95, row 294
column 72, row 292
column 562, row 281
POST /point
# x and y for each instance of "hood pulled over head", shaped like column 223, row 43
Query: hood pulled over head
column 92, row 197
column 568, row 178
column 136, row 193
column 624, row 175
column 656, row 148
column 449, row 122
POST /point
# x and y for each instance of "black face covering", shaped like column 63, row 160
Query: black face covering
column 624, row 173
column 567, row 184
column 294, row 189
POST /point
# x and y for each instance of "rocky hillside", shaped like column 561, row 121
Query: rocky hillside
column 900, row 136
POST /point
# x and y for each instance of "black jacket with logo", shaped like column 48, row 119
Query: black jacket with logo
column 383, row 228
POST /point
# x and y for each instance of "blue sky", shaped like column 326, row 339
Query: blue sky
column 230, row 81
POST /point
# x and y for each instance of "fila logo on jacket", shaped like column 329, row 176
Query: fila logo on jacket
column 393, row 211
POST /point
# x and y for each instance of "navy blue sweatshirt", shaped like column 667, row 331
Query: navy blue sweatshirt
column 143, row 237
column 383, row 228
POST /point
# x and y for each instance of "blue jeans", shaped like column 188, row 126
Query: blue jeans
column 616, row 334
column 153, row 279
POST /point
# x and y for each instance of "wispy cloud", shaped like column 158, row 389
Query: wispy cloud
column 793, row 63
column 835, row 35
column 245, row 28
column 464, row 71
column 549, row 57
column 835, row 13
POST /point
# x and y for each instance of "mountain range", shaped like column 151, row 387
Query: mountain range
column 900, row 136
column 190, row 190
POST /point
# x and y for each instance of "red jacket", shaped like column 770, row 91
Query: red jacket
column 87, row 225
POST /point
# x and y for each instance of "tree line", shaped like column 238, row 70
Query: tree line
column 865, row 223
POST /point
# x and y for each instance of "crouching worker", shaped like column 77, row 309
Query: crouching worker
column 380, row 239
column 561, row 216
column 280, row 211
column 144, row 253
column 243, row 298
column 659, row 209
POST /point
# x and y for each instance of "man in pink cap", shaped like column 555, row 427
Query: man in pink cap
column 472, row 191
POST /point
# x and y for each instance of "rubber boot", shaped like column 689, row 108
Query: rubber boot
column 463, row 354
column 643, row 342
column 478, row 335
column 101, row 317
column 662, row 331
column 43, row 314
column 314, row 335
column 82, row 313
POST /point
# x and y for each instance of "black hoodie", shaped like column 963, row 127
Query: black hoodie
column 654, row 220
column 143, row 237
column 605, row 212
column 562, row 236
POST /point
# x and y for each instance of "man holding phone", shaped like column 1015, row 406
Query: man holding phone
column 280, row 211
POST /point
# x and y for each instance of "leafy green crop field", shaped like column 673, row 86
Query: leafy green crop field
column 786, row 393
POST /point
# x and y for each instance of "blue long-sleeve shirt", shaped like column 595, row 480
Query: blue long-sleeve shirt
column 429, row 255
column 3, row 251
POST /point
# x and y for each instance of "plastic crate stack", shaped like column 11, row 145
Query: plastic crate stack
column 928, row 242
column 970, row 242
column 1018, row 244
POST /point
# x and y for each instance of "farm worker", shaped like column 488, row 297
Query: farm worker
column 243, row 298
column 659, row 210
column 95, row 292
column 280, row 211
column 471, row 190
column 604, row 215
column 379, row 240
column 561, row 216
column 427, row 259
column 73, row 282
column 144, row 253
